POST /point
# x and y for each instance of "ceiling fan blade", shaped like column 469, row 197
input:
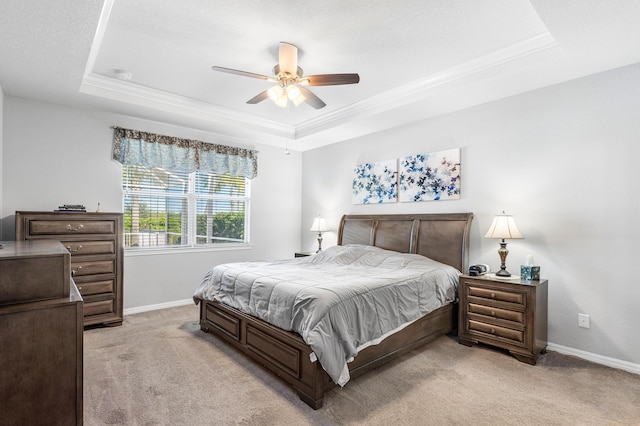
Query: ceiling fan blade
column 259, row 97
column 242, row 73
column 288, row 58
column 331, row 79
column 311, row 99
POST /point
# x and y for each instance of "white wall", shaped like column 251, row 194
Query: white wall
column 55, row 154
column 563, row 161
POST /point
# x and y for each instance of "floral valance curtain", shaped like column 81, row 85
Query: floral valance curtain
column 132, row 147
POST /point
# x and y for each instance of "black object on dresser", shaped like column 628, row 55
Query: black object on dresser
column 40, row 335
column 94, row 241
column 510, row 314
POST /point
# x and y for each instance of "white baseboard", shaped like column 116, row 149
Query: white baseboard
column 166, row 305
column 598, row 359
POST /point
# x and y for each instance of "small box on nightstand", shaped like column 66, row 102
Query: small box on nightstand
column 530, row 273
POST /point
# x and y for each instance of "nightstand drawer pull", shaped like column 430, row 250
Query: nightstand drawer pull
column 493, row 313
column 77, row 228
column 74, row 250
column 493, row 295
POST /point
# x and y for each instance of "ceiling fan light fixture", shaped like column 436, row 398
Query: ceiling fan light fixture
column 297, row 101
column 275, row 93
column 293, row 92
column 282, row 101
column 278, row 95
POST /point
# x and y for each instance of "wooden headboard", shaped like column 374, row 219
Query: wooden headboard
column 441, row 237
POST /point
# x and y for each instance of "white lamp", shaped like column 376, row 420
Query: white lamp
column 503, row 227
column 319, row 226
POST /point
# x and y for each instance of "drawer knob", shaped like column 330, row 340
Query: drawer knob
column 493, row 295
column 493, row 313
column 493, row 331
column 77, row 228
column 75, row 271
column 78, row 248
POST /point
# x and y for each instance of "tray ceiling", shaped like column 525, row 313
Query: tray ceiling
column 416, row 59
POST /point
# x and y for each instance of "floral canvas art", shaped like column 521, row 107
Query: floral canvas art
column 376, row 183
column 429, row 177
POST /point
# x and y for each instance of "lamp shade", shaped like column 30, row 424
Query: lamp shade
column 503, row 226
column 319, row 225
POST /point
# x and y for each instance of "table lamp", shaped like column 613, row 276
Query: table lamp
column 503, row 227
column 319, row 226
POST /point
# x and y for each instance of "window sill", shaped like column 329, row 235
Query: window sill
column 153, row 251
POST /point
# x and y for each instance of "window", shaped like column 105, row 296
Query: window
column 164, row 208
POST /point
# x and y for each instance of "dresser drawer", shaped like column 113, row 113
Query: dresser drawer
column 492, row 312
column 493, row 294
column 71, row 227
column 78, row 248
column 494, row 330
column 94, row 267
column 99, row 307
column 96, row 287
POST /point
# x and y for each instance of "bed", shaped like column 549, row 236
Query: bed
column 442, row 238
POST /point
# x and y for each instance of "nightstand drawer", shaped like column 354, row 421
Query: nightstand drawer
column 493, row 294
column 497, row 313
column 495, row 330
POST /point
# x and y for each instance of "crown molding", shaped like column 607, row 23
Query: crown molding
column 111, row 88
column 417, row 90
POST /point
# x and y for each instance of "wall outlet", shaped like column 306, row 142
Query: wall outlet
column 583, row 320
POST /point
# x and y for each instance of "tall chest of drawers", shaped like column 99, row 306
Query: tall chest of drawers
column 94, row 241
column 508, row 314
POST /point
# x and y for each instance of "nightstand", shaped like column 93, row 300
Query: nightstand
column 303, row 254
column 509, row 314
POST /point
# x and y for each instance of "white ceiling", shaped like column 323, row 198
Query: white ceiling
column 416, row 58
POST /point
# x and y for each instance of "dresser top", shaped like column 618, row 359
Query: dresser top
column 31, row 248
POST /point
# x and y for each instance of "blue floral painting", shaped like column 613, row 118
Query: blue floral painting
column 376, row 183
column 429, row 177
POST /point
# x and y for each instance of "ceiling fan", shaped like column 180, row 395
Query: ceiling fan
column 291, row 82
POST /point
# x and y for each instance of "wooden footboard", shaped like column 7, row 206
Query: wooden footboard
column 287, row 355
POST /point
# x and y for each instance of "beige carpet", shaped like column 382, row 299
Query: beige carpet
column 160, row 369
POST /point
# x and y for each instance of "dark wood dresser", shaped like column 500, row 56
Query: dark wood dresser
column 510, row 314
column 41, row 326
column 95, row 243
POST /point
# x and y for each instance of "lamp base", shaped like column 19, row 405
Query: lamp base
column 319, row 242
column 503, row 273
column 503, row 252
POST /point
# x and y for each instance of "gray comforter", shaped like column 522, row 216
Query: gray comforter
column 340, row 300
